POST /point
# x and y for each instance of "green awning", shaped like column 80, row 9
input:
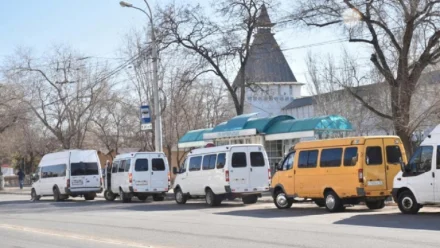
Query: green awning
column 330, row 123
column 194, row 135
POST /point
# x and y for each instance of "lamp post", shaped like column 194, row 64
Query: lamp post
column 158, row 116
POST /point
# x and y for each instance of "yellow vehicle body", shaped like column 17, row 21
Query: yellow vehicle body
column 355, row 169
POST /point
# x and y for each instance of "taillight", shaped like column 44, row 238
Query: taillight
column 227, row 176
column 101, row 181
column 169, row 177
column 269, row 174
column 130, row 177
column 361, row 175
column 68, row 183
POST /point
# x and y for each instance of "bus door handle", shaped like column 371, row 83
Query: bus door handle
column 388, row 167
column 290, row 176
column 433, row 174
column 251, row 169
column 152, row 173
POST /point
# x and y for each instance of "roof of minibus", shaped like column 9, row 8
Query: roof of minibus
column 219, row 149
column 340, row 142
column 133, row 154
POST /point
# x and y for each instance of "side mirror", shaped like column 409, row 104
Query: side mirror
column 175, row 172
column 278, row 166
column 403, row 166
column 34, row 177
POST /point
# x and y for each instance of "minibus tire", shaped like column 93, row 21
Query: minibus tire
column 142, row 197
column 34, row 196
column 56, row 194
column 289, row 201
column 109, row 196
column 250, row 199
column 373, row 205
column 403, row 199
column 211, row 199
column 158, row 197
column 179, row 197
column 124, row 197
column 333, row 202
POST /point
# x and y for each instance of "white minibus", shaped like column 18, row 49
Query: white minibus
column 68, row 173
column 224, row 172
column 139, row 174
column 418, row 183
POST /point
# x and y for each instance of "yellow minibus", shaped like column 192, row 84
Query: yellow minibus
column 339, row 172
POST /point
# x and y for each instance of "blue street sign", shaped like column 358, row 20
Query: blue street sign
column 145, row 114
column 146, row 118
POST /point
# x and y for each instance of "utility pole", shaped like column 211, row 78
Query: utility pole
column 157, row 114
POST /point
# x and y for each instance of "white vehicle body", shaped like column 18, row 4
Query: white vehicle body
column 138, row 174
column 68, row 173
column 418, row 183
column 227, row 171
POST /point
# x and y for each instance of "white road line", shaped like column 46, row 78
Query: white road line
column 75, row 236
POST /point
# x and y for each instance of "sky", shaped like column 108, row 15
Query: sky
column 97, row 27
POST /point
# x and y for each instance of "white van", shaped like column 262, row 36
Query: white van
column 224, row 172
column 68, row 173
column 139, row 174
column 418, row 183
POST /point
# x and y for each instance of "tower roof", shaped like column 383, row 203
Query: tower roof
column 263, row 19
column 266, row 61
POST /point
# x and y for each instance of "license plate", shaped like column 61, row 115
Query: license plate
column 374, row 183
column 77, row 182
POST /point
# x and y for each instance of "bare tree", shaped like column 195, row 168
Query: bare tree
column 62, row 91
column 404, row 38
column 10, row 107
column 218, row 44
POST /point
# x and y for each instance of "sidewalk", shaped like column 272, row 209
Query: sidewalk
column 16, row 191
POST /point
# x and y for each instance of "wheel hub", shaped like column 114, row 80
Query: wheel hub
column 407, row 203
column 179, row 196
column 282, row 200
column 330, row 201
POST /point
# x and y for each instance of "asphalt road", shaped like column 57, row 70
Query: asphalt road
column 76, row 223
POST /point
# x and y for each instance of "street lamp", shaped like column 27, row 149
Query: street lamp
column 158, row 119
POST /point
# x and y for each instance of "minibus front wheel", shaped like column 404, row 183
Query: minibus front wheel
column 281, row 200
column 408, row 203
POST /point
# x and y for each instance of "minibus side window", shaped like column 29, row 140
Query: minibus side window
column 122, row 166
column 195, row 163
column 115, row 167
column 212, row 161
column 421, row 161
column 350, row 155
column 331, row 157
column 239, row 160
column 257, row 159
column 127, row 165
column 373, row 155
column 438, row 157
column 393, row 154
column 221, row 160
column 308, row 159
column 206, row 165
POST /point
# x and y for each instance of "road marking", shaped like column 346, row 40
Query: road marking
column 75, row 236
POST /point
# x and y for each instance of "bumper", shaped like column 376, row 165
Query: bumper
column 136, row 191
column 81, row 191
